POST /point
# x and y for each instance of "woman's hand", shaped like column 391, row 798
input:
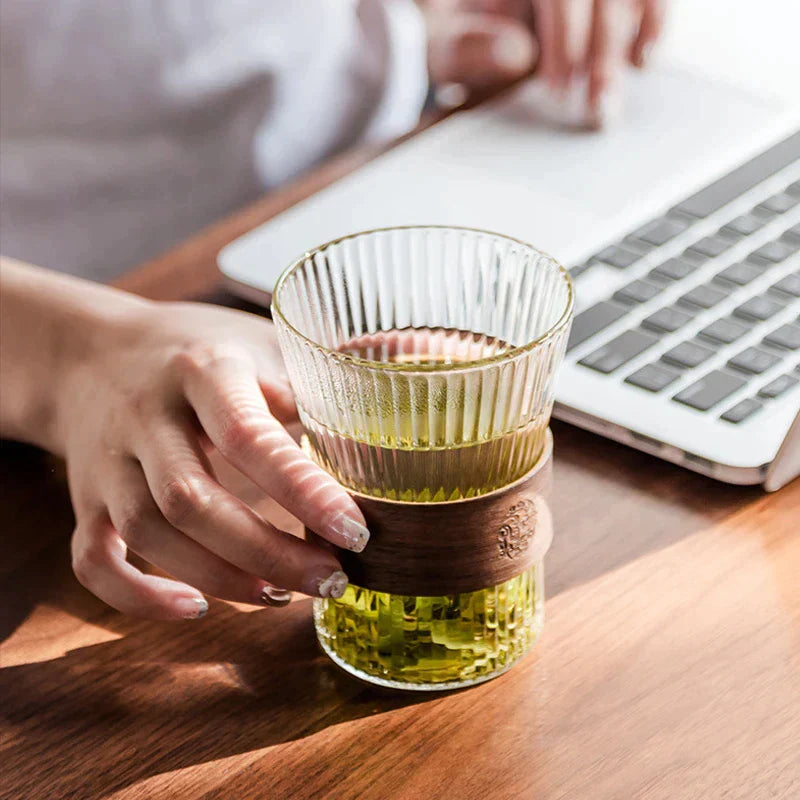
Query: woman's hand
column 480, row 44
column 143, row 391
column 595, row 37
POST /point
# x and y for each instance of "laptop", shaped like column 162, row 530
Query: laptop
column 680, row 228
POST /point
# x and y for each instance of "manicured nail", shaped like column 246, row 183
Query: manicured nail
column 354, row 534
column 512, row 52
column 644, row 55
column 192, row 607
column 272, row 596
column 333, row 585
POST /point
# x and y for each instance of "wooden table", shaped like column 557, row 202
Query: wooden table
column 669, row 667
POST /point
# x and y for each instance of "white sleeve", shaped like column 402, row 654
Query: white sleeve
column 403, row 41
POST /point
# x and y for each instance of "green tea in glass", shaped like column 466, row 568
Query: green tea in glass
column 423, row 361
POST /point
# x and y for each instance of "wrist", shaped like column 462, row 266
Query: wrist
column 53, row 326
column 94, row 337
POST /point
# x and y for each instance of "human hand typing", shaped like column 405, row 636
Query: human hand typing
column 480, row 44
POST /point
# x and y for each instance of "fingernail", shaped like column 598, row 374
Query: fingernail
column 272, row 596
column 644, row 55
column 451, row 95
column 606, row 110
column 192, row 607
column 331, row 585
column 354, row 534
column 512, row 52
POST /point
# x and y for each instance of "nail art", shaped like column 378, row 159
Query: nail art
column 333, row 586
column 355, row 535
column 272, row 596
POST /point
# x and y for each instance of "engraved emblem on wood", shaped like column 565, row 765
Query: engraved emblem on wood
column 517, row 530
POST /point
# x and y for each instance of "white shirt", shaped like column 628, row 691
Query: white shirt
column 126, row 125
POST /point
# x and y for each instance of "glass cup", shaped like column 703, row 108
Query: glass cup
column 423, row 362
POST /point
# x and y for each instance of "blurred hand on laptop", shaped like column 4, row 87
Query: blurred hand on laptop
column 476, row 45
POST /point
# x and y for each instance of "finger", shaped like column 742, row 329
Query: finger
column 146, row 532
column 280, row 399
column 232, row 411
column 551, row 24
column 608, row 34
column 509, row 8
column 650, row 25
column 98, row 560
column 480, row 51
column 195, row 504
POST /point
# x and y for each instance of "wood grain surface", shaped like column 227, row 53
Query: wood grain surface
column 669, row 667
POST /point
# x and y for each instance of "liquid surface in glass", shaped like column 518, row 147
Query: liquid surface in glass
column 434, row 438
column 423, row 443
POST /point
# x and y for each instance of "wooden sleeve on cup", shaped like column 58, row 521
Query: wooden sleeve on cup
column 433, row 549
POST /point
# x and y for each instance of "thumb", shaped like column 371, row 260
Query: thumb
column 479, row 51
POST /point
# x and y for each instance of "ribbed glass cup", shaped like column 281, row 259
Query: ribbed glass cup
column 423, row 361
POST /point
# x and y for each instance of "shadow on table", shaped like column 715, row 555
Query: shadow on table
column 613, row 504
column 161, row 696
column 35, row 523
column 164, row 697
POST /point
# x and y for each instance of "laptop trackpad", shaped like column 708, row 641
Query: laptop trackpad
column 507, row 167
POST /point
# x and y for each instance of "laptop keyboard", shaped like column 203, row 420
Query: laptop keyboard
column 685, row 360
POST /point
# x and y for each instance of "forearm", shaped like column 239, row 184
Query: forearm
column 49, row 326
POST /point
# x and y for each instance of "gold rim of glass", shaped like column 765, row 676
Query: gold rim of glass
column 508, row 355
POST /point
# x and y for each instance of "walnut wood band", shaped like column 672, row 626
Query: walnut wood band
column 453, row 547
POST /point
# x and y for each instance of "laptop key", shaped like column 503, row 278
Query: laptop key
column 687, row 354
column 577, row 271
column 754, row 361
column 721, row 192
column 758, row 308
column 787, row 336
column 593, row 319
column 661, row 230
column 741, row 274
column 711, row 246
column 694, row 257
column 777, row 387
column 794, row 188
column 745, row 225
column 619, row 351
column 704, row 296
column 789, row 284
column 667, row 319
column 653, row 377
column 764, row 211
column 618, row 257
column 781, row 203
column 724, row 331
column 674, row 269
column 709, row 390
column 775, row 251
column 742, row 410
column 637, row 292
column 792, row 234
